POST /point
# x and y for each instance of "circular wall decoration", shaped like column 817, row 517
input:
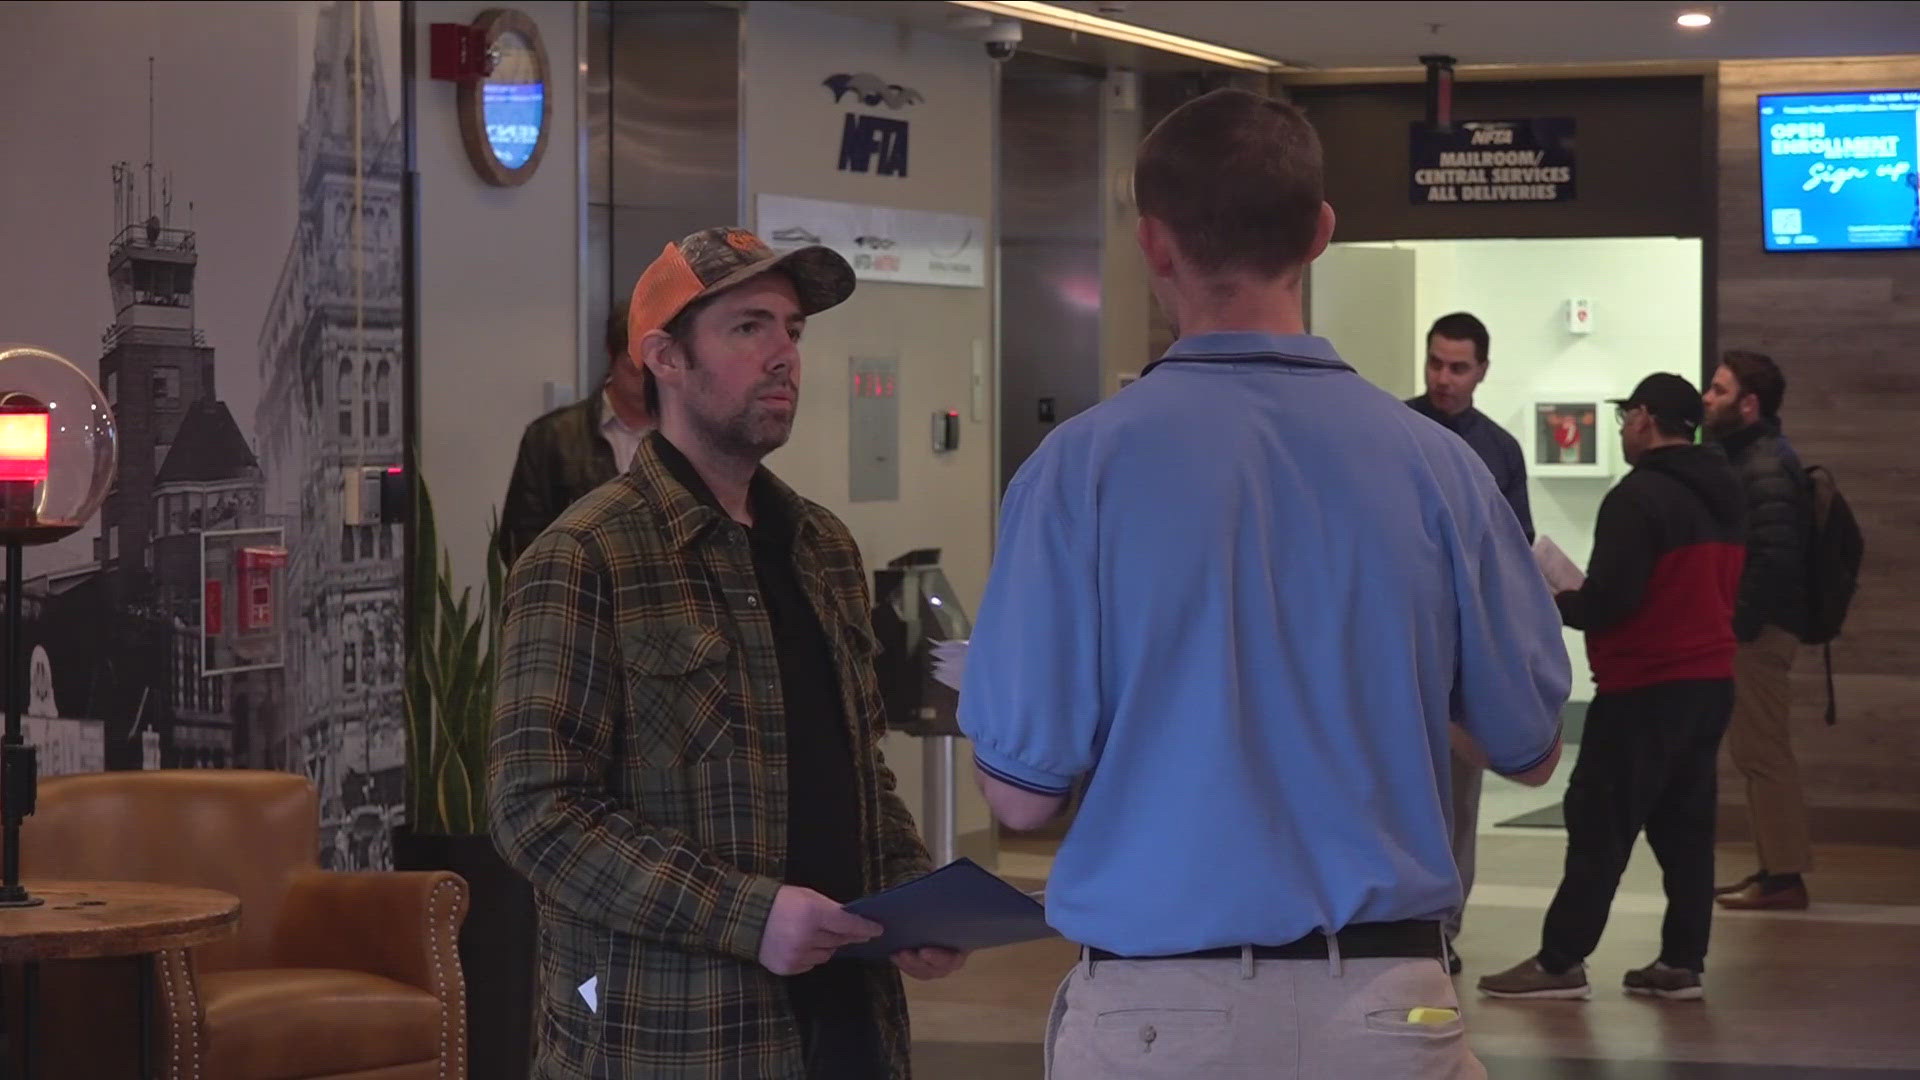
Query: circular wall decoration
column 505, row 115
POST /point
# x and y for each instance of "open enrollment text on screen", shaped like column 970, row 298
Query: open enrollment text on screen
column 1840, row 172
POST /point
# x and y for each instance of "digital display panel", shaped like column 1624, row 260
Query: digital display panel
column 512, row 113
column 1840, row 172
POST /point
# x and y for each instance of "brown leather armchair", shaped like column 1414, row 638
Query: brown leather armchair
column 338, row 975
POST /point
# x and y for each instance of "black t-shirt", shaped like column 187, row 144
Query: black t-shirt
column 823, row 810
column 823, row 814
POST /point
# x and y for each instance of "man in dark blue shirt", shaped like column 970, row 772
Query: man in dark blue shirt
column 1456, row 365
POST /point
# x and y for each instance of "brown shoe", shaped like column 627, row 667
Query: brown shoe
column 1527, row 979
column 1756, row 898
column 1751, row 879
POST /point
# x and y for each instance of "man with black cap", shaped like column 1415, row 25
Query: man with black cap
column 1657, row 609
column 686, row 756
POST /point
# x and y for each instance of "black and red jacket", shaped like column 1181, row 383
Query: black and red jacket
column 1668, row 549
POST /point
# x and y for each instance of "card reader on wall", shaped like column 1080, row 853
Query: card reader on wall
column 375, row 495
column 946, row 431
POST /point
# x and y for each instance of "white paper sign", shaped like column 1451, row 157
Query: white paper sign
column 912, row 247
column 950, row 662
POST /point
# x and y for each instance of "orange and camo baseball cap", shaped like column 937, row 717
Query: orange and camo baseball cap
column 715, row 260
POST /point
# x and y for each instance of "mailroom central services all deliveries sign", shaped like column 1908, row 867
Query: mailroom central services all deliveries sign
column 1493, row 161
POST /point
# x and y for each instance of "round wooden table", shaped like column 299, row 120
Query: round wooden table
column 84, row 920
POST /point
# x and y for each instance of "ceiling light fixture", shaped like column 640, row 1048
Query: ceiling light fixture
column 1695, row 20
column 1115, row 30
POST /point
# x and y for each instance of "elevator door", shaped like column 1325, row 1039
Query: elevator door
column 663, row 139
column 1051, row 236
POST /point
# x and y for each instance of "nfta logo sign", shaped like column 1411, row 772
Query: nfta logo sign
column 864, row 138
column 873, row 144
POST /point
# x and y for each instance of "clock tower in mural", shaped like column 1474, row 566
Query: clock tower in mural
column 156, row 366
column 185, row 469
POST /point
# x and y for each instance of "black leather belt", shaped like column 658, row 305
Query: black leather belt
column 1410, row 939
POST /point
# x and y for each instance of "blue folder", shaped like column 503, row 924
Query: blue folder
column 959, row 906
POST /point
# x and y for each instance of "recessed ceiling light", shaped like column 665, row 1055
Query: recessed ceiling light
column 1694, row 20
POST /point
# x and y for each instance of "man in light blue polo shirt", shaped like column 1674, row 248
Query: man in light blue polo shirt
column 1242, row 602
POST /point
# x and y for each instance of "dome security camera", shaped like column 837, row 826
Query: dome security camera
column 1002, row 39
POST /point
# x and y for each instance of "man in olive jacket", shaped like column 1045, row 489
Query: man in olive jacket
column 574, row 449
column 1770, row 619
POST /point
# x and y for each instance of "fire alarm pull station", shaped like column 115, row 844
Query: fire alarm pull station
column 1579, row 315
column 458, row 52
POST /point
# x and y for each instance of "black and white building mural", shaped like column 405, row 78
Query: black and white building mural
column 246, row 326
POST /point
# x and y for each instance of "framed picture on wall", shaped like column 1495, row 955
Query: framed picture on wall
column 1568, row 439
column 243, row 592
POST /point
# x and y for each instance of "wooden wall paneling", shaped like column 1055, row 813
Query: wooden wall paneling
column 1846, row 328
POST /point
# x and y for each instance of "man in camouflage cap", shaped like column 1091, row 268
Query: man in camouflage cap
column 686, row 760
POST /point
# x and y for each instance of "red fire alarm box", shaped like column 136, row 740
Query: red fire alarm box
column 457, row 52
column 257, row 565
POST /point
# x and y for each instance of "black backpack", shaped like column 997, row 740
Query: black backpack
column 1834, row 551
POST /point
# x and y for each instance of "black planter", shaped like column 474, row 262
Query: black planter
column 496, row 948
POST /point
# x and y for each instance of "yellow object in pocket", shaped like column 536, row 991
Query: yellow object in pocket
column 1421, row 1014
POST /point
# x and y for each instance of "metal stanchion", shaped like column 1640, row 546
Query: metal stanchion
column 940, row 802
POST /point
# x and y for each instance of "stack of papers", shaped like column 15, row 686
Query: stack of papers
column 1560, row 571
column 960, row 906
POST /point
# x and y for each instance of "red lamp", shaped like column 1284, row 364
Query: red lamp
column 23, row 459
column 23, row 440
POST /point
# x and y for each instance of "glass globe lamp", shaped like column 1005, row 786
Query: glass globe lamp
column 58, row 447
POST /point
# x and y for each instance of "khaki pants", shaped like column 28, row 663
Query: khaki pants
column 1463, row 821
column 1241, row 1020
column 1761, row 744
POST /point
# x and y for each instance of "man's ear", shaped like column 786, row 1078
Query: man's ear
column 660, row 353
column 1322, row 232
column 1156, row 245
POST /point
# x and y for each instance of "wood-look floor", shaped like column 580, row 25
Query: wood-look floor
column 1834, row 992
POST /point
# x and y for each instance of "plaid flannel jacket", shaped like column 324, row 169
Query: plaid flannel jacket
column 637, row 778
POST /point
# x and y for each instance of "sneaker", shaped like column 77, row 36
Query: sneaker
column 1659, row 980
column 1528, row 979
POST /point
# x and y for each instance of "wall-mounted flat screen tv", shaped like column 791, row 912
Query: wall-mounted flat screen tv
column 1840, row 172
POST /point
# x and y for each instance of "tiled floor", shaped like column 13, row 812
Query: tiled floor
column 1833, row 992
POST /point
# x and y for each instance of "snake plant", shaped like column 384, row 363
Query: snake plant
column 449, row 693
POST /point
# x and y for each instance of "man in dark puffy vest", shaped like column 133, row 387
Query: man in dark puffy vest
column 1743, row 413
